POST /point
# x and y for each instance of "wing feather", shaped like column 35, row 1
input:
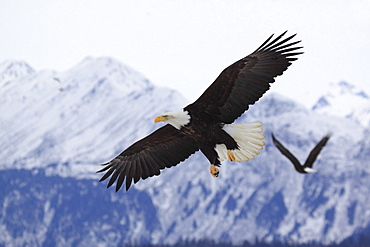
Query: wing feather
column 245, row 81
column 153, row 157
column 107, row 174
column 113, row 177
column 138, row 173
column 165, row 147
column 316, row 151
column 287, row 153
column 120, row 180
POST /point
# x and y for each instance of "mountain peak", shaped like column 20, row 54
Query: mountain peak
column 346, row 100
column 99, row 70
column 13, row 69
column 97, row 93
column 344, row 87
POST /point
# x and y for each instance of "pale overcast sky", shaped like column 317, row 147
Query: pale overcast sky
column 185, row 44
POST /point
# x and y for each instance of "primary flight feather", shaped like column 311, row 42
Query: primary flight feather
column 207, row 124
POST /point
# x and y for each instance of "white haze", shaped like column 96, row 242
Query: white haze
column 184, row 44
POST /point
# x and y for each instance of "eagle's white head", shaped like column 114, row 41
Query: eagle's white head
column 177, row 119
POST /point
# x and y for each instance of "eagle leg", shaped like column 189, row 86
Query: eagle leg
column 214, row 171
column 230, row 155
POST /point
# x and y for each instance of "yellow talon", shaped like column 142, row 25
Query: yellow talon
column 214, row 171
column 230, row 155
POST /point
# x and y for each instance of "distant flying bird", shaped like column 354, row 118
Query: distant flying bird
column 206, row 124
column 307, row 166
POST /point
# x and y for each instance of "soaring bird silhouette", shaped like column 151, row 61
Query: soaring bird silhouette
column 307, row 166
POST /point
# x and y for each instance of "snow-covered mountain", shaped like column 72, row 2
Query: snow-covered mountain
column 12, row 70
column 58, row 126
column 345, row 100
column 79, row 117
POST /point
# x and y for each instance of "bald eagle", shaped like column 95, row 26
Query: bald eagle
column 207, row 124
column 307, row 166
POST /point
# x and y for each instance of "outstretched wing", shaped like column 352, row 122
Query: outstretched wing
column 165, row 147
column 244, row 82
column 316, row 151
column 287, row 153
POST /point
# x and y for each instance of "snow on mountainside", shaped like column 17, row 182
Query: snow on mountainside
column 345, row 100
column 11, row 70
column 60, row 126
column 266, row 198
column 77, row 117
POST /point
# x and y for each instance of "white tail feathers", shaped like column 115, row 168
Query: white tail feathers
column 309, row 170
column 249, row 138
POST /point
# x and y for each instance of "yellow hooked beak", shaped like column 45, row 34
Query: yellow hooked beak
column 160, row 119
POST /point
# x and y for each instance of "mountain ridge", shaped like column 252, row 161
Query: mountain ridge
column 87, row 116
column 345, row 100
